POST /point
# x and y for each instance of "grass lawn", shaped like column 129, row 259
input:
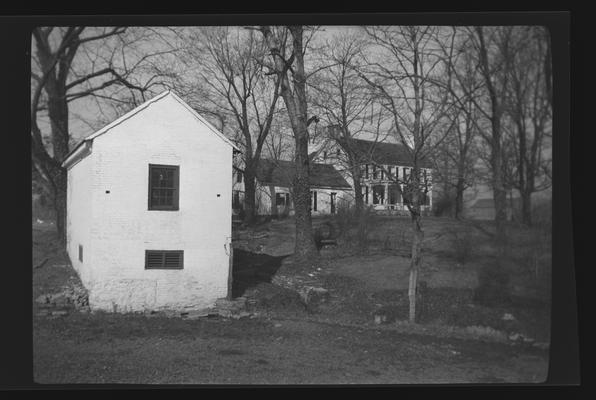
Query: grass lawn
column 285, row 344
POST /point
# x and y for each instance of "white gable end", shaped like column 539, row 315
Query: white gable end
column 160, row 108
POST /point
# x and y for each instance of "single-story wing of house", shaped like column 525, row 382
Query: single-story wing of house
column 329, row 189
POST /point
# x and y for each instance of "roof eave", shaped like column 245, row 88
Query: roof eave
column 82, row 150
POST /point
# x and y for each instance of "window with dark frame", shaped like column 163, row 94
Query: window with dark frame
column 313, row 199
column 282, row 199
column 425, row 199
column 164, row 187
column 238, row 176
column 80, row 253
column 164, row 259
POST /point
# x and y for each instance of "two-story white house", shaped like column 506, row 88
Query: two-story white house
column 149, row 210
column 385, row 167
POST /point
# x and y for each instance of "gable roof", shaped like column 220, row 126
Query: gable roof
column 386, row 153
column 89, row 139
column 281, row 173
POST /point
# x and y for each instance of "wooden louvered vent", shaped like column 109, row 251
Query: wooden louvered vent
column 164, row 259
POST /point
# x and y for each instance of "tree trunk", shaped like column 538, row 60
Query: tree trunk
column 59, row 193
column 296, row 104
column 58, row 115
column 459, row 197
column 499, row 193
column 416, row 258
column 358, row 200
column 526, row 207
column 499, row 197
column 359, row 206
column 249, row 195
column 305, row 244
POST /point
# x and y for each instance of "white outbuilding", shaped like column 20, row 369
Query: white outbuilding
column 149, row 210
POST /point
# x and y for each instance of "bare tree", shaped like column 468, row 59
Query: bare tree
column 69, row 64
column 456, row 158
column 344, row 100
column 528, row 106
column 403, row 74
column 492, row 53
column 287, row 61
column 230, row 65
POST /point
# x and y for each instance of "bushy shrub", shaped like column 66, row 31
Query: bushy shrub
column 538, row 259
column 493, row 286
column 542, row 214
column 354, row 229
column 443, row 206
column 461, row 244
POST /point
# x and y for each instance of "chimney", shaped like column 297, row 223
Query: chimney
column 334, row 130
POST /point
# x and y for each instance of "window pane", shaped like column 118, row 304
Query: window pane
column 154, row 177
column 154, row 197
column 168, row 200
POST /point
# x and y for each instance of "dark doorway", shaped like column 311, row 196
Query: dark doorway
column 394, row 194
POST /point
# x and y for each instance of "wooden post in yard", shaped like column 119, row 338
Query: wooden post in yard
column 230, row 271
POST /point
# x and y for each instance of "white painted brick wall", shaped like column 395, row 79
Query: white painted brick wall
column 122, row 227
column 79, row 214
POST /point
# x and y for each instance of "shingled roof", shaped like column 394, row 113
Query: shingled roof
column 386, row 153
column 281, row 173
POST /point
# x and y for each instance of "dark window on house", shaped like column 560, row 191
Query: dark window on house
column 313, row 200
column 282, row 199
column 238, row 176
column 366, row 195
column 366, row 173
column 80, row 253
column 382, row 173
column 406, row 194
column 394, row 194
column 338, row 152
column 378, row 194
column 425, row 199
column 375, row 172
column 390, row 172
column 164, row 259
column 324, row 155
column 236, row 199
column 406, row 174
column 163, row 187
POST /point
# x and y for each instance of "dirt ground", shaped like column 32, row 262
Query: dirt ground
column 136, row 349
column 337, row 343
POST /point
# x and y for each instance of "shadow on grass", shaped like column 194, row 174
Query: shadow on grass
column 250, row 269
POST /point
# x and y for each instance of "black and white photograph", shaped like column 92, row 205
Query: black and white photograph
column 293, row 204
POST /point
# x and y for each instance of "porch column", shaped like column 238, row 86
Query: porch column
column 386, row 195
